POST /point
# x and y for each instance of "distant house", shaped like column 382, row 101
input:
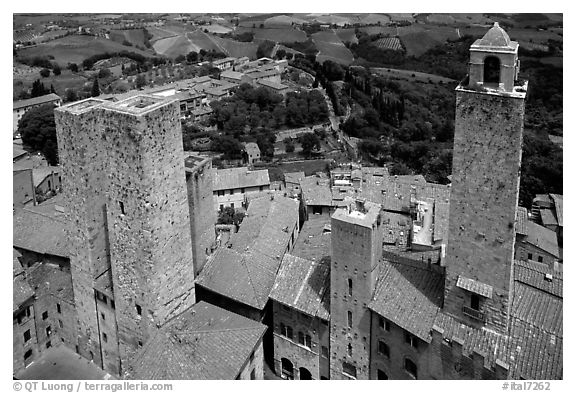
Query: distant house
column 547, row 210
column 251, row 153
column 231, row 185
column 274, row 87
column 292, row 181
column 224, row 64
column 22, row 106
column 46, row 179
column 535, row 242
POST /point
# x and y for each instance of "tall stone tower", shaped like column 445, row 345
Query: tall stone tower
column 199, row 182
column 123, row 165
column 486, row 177
column 356, row 250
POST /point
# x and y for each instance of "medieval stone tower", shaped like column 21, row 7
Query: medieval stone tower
column 356, row 250
column 486, row 177
column 124, row 171
column 199, row 182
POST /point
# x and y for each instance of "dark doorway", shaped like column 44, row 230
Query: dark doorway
column 491, row 70
column 287, row 369
column 305, row 374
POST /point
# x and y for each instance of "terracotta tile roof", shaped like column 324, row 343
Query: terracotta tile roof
column 537, row 308
column 521, row 218
column 396, row 228
column 293, row 177
column 16, row 264
column 314, row 240
column 474, row 286
column 18, row 152
column 252, row 148
column 559, row 207
column 316, row 191
column 365, row 218
column 49, row 279
column 272, row 84
column 41, row 173
column 409, row 295
column 543, row 238
column 304, row 285
column 225, row 179
column 205, row 342
column 40, row 233
column 548, row 217
column 534, row 274
column 35, row 101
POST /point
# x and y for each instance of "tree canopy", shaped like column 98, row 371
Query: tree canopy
column 38, row 130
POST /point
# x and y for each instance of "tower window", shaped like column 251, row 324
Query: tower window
column 27, row 335
column 540, row 259
column 308, row 341
column 122, row 211
column 349, row 369
column 48, row 331
column 530, row 256
column 139, row 309
column 349, row 318
column 60, row 324
column 105, row 337
column 475, row 302
column 325, row 352
column 382, row 375
column 349, row 349
column 350, row 287
column 410, row 340
column 491, row 70
column 383, row 349
column 58, row 308
column 27, row 354
column 45, row 315
column 300, row 338
column 289, row 333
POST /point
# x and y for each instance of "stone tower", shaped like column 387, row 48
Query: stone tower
column 123, row 166
column 486, row 177
column 199, row 182
column 356, row 250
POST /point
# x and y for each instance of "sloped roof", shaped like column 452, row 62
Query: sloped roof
column 543, row 238
column 559, row 207
column 35, row 101
column 316, row 191
column 521, row 218
column 40, row 233
column 409, row 295
column 245, row 271
column 49, row 279
column 293, row 177
column 18, row 152
column 39, row 174
column 225, row 179
column 314, row 241
column 496, row 38
column 205, row 342
column 534, row 274
column 252, row 147
column 304, row 285
column 548, row 217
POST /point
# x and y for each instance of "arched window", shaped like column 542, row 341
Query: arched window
column 287, row 369
column 283, row 329
column 382, row 375
column 491, row 70
column 308, row 341
column 411, row 368
column 300, row 338
column 305, row 374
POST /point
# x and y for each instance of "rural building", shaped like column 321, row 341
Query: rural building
column 251, row 153
column 18, row 153
column 224, row 64
column 46, row 179
column 22, row 106
column 535, row 242
column 235, row 77
column 547, row 210
column 274, row 87
column 233, row 184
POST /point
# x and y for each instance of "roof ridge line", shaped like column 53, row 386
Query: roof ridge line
column 243, row 262
column 221, row 330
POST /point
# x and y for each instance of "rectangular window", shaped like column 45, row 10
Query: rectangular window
column 231, row 191
column 301, row 338
column 122, row 211
column 325, row 352
column 139, row 309
column 45, row 315
column 48, row 344
column 410, row 340
column 261, row 188
column 383, row 349
column 103, row 316
column 232, row 205
column 243, row 190
column 349, row 318
column 349, row 287
column 60, row 324
column 48, row 331
column 308, row 341
column 27, row 354
column 27, row 335
column 530, row 255
column 58, row 308
column 105, row 337
column 475, row 302
column 349, row 369
column 112, row 304
column 540, row 259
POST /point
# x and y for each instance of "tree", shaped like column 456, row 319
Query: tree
column 289, row 55
column 140, row 81
column 309, row 142
column 71, row 95
column 38, row 130
column 56, row 69
column 104, row 73
column 180, row 58
column 38, row 89
column 289, row 145
column 95, row 88
column 44, row 72
column 73, row 67
column 228, row 216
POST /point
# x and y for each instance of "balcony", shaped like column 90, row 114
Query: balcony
column 473, row 313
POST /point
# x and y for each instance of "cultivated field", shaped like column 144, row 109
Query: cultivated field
column 159, row 33
column 392, row 43
column 235, row 48
column 65, row 80
column 133, row 36
column 331, row 48
column 174, row 46
column 76, row 48
column 372, row 19
column 410, row 75
column 216, row 28
column 283, row 20
column 327, row 36
column 417, row 39
column 282, row 34
column 373, row 30
column 347, row 35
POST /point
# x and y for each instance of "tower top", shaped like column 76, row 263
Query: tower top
column 496, row 37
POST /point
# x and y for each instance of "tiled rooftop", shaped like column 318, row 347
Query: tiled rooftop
column 409, row 295
column 304, row 285
column 205, row 342
column 316, row 191
column 314, row 240
column 40, row 233
column 41, row 173
column 559, row 206
column 245, row 269
column 225, row 179
column 365, row 216
column 35, row 101
column 49, row 279
column 521, row 218
column 542, row 237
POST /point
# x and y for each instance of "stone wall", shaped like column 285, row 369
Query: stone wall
column 300, row 355
column 19, row 345
column 23, row 188
column 254, row 367
column 484, row 196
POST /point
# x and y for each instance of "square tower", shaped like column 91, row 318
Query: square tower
column 485, row 184
column 356, row 249
column 128, row 157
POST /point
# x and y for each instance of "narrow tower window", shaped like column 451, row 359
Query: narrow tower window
column 122, row 211
column 349, row 318
column 350, row 286
column 139, row 309
column 475, row 302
